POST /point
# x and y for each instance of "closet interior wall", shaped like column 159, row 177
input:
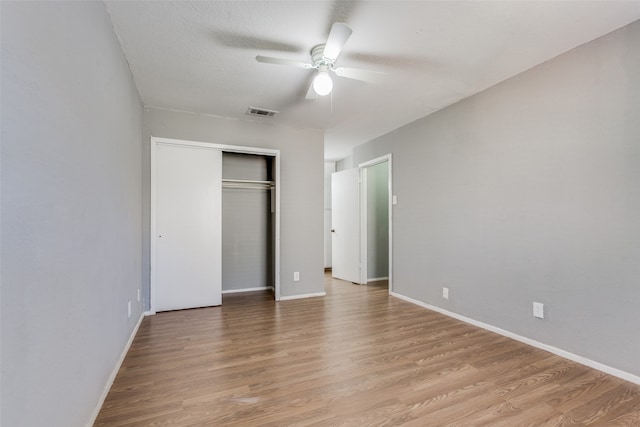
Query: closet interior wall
column 248, row 222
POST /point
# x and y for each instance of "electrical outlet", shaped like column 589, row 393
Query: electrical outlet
column 296, row 276
column 129, row 309
column 445, row 293
column 138, row 294
column 538, row 310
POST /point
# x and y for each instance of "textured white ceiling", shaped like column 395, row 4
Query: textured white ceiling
column 200, row 56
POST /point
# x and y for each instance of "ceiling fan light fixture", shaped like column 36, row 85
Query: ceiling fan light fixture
column 322, row 83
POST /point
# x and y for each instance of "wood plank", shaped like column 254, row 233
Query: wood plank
column 355, row 357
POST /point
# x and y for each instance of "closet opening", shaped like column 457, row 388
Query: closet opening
column 248, row 223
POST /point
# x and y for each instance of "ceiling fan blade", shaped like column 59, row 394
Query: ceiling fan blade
column 338, row 36
column 362, row 75
column 282, row 61
column 311, row 94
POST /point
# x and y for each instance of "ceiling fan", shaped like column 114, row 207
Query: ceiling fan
column 323, row 58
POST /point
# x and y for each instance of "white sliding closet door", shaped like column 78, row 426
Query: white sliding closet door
column 188, row 200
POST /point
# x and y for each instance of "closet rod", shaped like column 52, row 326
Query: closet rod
column 247, row 184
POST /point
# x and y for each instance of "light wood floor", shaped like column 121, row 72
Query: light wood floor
column 354, row 358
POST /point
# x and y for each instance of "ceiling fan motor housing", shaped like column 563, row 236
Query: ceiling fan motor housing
column 318, row 59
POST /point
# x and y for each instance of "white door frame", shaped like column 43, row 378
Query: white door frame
column 363, row 217
column 224, row 148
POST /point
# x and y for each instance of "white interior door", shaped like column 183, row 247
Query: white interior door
column 345, row 225
column 188, row 227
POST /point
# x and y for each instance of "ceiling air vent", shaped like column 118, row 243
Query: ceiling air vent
column 262, row 112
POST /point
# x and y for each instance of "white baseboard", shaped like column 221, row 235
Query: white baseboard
column 235, row 291
column 551, row 349
column 112, row 377
column 377, row 279
column 290, row 297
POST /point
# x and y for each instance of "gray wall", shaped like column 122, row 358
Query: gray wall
column 344, row 164
column 530, row 191
column 71, row 210
column 301, row 180
column 378, row 221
